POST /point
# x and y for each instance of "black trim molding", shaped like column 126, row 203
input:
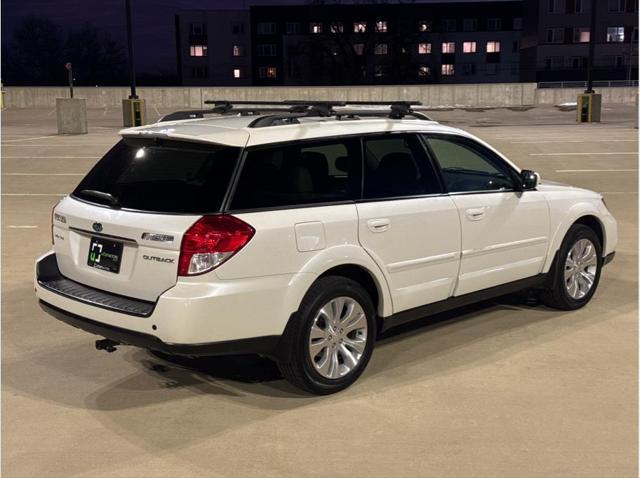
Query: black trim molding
column 49, row 277
column 608, row 258
column 256, row 345
column 460, row 301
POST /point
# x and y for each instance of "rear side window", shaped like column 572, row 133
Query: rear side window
column 299, row 174
column 162, row 176
column 397, row 166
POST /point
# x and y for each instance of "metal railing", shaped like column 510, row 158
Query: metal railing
column 583, row 84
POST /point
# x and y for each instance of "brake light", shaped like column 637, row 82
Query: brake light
column 211, row 241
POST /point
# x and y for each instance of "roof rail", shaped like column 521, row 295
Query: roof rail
column 288, row 111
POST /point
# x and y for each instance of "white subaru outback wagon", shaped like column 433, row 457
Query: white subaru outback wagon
column 300, row 231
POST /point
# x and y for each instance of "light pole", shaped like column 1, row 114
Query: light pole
column 592, row 47
column 133, row 108
column 132, row 70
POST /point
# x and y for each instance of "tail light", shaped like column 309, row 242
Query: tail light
column 211, row 241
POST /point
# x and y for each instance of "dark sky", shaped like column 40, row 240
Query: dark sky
column 153, row 20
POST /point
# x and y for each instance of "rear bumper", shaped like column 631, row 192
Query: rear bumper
column 198, row 316
column 266, row 346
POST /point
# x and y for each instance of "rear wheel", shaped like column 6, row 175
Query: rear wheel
column 332, row 339
column 576, row 270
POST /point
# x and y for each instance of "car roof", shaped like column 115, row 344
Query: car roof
column 236, row 130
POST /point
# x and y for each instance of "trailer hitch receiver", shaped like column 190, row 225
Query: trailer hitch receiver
column 107, row 344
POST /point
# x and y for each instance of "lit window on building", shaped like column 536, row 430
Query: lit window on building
column 494, row 24
column 266, row 28
column 267, row 72
column 469, row 47
column 493, row 47
column 470, row 24
column 336, row 27
column 450, row 25
column 359, row 27
column 382, row 26
column 198, row 50
column 424, row 71
column 448, row 47
column 237, row 73
column 381, row 49
column 424, row 48
column 293, row 28
column 315, row 27
column 581, row 35
column 425, row 26
column 238, row 50
column 358, row 48
column 555, row 35
column 448, row 69
column 615, row 34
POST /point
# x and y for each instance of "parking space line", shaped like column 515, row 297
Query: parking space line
column 51, row 157
column 26, row 139
column 595, row 170
column 43, row 174
column 22, row 227
column 31, row 194
column 571, row 141
column 52, row 145
column 584, row 154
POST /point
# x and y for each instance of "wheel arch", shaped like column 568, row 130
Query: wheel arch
column 586, row 216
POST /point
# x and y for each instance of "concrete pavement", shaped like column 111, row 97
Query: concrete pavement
column 496, row 390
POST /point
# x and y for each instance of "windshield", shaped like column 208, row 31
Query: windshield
column 157, row 175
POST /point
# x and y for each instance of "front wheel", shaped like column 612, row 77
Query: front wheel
column 332, row 339
column 576, row 272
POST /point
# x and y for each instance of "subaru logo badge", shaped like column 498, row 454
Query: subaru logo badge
column 97, row 227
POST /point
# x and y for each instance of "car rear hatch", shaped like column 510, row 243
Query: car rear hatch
column 121, row 229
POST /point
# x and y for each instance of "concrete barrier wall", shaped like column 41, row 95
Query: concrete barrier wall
column 555, row 96
column 163, row 98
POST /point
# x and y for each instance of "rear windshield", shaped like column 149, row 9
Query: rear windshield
column 161, row 176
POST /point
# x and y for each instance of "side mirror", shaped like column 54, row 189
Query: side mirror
column 528, row 179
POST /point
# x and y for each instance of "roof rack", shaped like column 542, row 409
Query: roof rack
column 274, row 113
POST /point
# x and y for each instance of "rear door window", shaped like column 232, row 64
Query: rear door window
column 162, row 176
column 299, row 174
column 397, row 165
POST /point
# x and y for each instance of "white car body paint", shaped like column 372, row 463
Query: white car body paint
column 416, row 250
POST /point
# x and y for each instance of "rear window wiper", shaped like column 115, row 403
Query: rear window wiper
column 102, row 195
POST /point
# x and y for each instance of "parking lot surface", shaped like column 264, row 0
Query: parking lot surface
column 502, row 389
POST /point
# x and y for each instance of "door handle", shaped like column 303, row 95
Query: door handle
column 379, row 225
column 476, row 214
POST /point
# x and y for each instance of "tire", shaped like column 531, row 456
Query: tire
column 569, row 293
column 337, row 354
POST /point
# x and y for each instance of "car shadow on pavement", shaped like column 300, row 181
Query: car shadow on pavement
column 243, row 373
